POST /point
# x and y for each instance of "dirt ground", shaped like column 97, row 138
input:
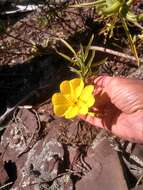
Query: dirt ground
column 39, row 151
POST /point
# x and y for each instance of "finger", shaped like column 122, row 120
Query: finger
column 102, row 97
column 93, row 120
column 125, row 94
column 102, row 81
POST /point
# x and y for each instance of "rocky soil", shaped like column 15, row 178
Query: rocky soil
column 39, row 151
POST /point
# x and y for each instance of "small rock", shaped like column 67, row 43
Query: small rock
column 3, row 174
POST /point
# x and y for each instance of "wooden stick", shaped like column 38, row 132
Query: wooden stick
column 116, row 53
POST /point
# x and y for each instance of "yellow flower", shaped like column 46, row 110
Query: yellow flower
column 73, row 99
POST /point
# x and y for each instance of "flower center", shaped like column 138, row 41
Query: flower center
column 73, row 100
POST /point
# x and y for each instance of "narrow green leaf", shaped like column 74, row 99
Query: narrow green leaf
column 91, row 59
column 130, row 40
column 87, row 4
column 140, row 17
column 129, row 2
column 66, row 57
column 82, row 52
column 86, row 72
column 69, row 47
column 112, row 9
column 72, row 69
column 78, row 61
column 88, row 46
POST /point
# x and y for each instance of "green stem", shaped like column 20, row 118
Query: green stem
column 129, row 2
column 88, row 4
column 130, row 39
column 140, row 17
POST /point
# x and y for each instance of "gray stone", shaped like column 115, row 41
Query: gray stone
column 106, row 171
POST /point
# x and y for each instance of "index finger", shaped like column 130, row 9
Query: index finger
column 102, row 81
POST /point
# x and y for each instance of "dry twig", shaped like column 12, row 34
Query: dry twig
column 116, row 53
column 4, row 186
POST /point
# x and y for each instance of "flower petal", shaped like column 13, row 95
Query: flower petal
column 77, row 86
column 59, row 99
column 60, row 110
column 91, row 101
column 83, row 108
column 65, row 87
column 71, row 112
column 86, row 93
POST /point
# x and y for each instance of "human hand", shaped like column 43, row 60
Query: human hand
column 119, row 104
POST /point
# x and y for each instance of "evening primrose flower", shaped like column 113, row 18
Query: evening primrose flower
column 73, row 99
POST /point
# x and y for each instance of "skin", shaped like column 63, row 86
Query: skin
column 118, row 107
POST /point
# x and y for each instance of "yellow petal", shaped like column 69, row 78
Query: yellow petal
column 91, row 101
column 65, row 87
column 83, row 108
column 59, row 99
column 60, row 110
column 86, row 93
column 71, row 112
column 77, row 86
